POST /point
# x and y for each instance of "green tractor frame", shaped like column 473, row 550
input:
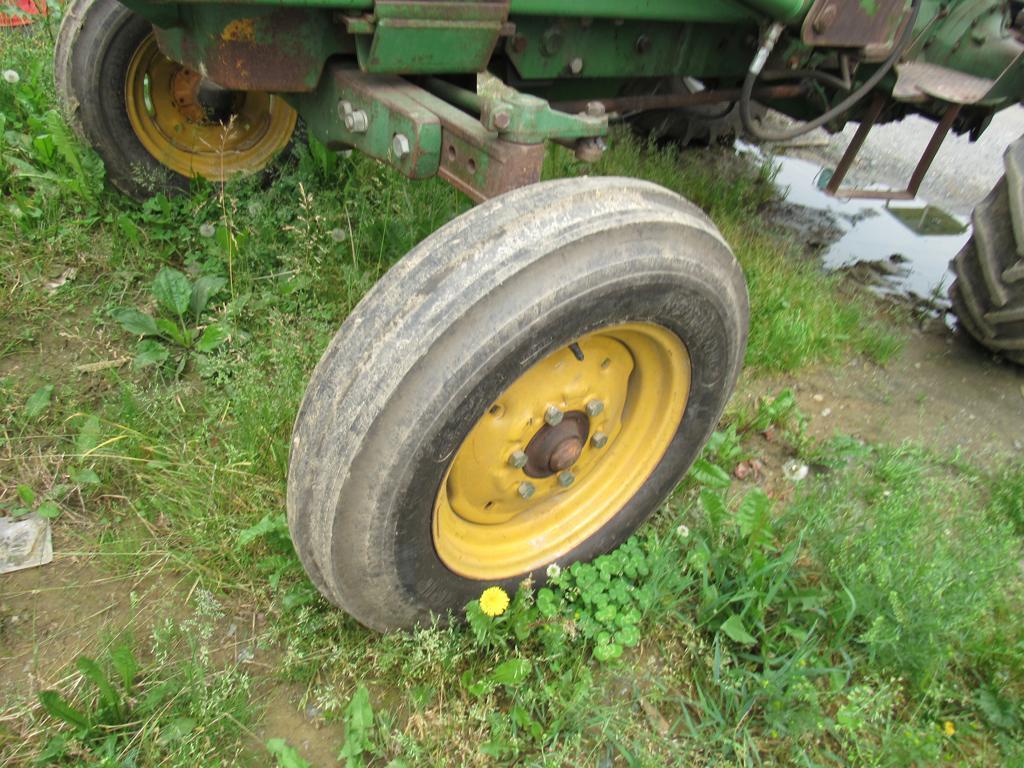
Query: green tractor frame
column 531, row 381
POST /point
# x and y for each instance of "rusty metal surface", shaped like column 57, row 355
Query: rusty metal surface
column 919, row 81
column 853, row 24
column 556, row 448
column 878, row 104
column 684, row 99
column 474, row 160
column 281, row 50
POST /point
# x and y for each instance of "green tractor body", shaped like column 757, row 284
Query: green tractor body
column 407, row 67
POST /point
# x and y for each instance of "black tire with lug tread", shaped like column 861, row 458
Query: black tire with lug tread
column 449, row 328
column 988, row 293
column 92, row 56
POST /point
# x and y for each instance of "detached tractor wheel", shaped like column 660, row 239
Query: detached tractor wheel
column 155, row 123
column 524, row 388
column 988, row 293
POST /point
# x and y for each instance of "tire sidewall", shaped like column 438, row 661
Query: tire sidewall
column 668, row 292
column 99, row 63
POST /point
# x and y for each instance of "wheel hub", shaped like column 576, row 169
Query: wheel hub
column 196, row 128
column 561, row 450
column 556, row 448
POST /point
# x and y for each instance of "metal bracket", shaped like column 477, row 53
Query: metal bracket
column 867, row 123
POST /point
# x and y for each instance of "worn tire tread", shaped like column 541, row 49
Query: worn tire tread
column 987, row 295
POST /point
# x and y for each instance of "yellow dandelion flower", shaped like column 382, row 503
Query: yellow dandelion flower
column 948, row 728
column 494, row 601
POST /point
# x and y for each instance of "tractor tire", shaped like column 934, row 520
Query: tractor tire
column 524, row 388
column 988, row 292
column 156, row 124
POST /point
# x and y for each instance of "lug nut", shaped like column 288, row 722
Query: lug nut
column 526, row 490
column 599, row 440
column 400, row 146
column 518, row 459
column 565, row 479
column 594, row 408
column 357, row 121
column 553, row 416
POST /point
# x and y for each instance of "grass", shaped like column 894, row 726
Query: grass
column 848, row 621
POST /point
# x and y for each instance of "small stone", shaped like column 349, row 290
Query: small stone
column 826, row 412
column 818, row 398
column 795, row 471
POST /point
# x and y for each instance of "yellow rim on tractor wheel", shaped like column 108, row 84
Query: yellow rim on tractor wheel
column 166, row 109
column 561, row 451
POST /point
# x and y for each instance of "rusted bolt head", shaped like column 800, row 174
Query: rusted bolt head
column 357, row 121
column 501, row 120
column 400, row 146
column 576, row 65
column 594, row 407
column 599, row 440
column 525, row 490
column 590, row 150
column 565, row 479
column 518, row 459
column 642, row 44
column 519, row 43
column 553, row 416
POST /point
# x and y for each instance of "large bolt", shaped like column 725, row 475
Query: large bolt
column 518, row 459
column 599, row 440
column 526, row 490
column 594, row 408
column 357, row 121
column 576, row 65
column 565, row 479
column 400, row 146
column 553, row 416
column 501, row 120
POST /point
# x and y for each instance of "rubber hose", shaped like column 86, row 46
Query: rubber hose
column 759, row 133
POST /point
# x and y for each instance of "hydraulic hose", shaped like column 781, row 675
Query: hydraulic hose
column 771, row 38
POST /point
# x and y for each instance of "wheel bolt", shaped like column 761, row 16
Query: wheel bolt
column 594, row 407
column 517, row 459
column 400, row 146
column 526, row 490
column 553, row 416
column 565, row 479
column 599, row 440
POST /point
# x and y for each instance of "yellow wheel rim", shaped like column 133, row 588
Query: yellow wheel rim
column 528, row 486
column 166, row 110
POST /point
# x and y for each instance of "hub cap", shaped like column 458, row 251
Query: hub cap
column 634, row 379
column 196, row 128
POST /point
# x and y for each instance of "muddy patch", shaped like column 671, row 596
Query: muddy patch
column 895, row 248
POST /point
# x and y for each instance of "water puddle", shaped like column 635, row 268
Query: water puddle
column 897, row 247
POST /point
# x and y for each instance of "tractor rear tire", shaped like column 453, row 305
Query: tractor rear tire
column 988, row 293
column 155, row 124
column 612, row 301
